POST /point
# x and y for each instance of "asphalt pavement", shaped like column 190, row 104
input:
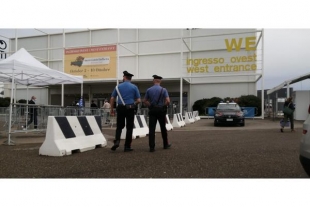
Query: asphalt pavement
column 199, row 150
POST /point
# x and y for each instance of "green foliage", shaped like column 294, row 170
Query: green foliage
column 22, row 101
column 201, row 105
column 251, row 101
column 5, row 102
column 243, row 101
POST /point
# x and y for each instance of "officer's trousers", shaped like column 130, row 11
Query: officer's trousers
column 124, row 115
column 157, row 114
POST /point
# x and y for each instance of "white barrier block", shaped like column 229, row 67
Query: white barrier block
column 196, row 116
column 189, row 118
column 142, row 123
column 137, row 131
column 177, row 122
column 182, row 122
column 68, row 133
column 168, row 125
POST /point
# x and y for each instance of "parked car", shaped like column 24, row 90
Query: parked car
column 228, row 113
column 304, row 155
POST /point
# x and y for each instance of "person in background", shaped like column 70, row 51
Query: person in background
column 288, row 103
column 157, row 99
column 174, row 106
column 33, row 113
column 128, row 97
column 106, row 109
column 93, row 107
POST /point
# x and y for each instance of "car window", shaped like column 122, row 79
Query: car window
column 228, row 106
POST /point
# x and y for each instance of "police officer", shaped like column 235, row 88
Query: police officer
column 157, row 99
column 128, row 96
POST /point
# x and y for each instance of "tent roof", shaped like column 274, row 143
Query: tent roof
column 289, row 82
column 27, row 70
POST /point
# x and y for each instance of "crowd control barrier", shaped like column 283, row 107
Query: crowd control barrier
column 189, row 118
column 65, row 134
column 169, row 126
column 210, row 111
column 178, row 120
column 140, row 128
column 249, row 112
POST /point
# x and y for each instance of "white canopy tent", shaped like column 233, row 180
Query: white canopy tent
column 22, row 68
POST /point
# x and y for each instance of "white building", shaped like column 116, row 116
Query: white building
column 195, row 63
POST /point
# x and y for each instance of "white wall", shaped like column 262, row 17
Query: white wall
column 21, row 93
column 302, row 101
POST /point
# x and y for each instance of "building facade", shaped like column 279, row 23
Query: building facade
column 195, row 63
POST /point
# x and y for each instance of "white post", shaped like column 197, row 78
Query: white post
column 63, row 66
column 287, row 89
column 11, row 107
column 263, row 66
column 181, row 79
column 117, row 61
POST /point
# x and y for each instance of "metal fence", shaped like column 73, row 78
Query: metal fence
column 21, row 115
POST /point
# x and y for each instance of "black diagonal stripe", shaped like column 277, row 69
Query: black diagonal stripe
column 140, row 121
column 85, row 125
column 65, row 127
column 98, row 120
column 178, row 118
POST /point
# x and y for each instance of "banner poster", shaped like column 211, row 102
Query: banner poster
column 91, row 62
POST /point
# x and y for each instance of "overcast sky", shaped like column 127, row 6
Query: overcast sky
column 287, row 55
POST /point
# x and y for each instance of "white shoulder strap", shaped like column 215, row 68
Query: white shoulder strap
column 119, row 95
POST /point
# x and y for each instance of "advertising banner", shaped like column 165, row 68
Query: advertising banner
column 91, row 62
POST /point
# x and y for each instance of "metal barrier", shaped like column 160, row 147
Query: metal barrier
column 20, row 116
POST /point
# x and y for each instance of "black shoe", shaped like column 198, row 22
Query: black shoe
column 128, row 149
column 167, row 146
column 116, row 145
column 281, row 129
column 152, row 149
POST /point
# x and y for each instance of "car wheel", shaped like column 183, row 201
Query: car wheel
column 305, row 164
column 242, row 124
column 215, row 124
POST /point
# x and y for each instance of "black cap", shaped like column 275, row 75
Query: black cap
column 157, row 77
column 127, row 74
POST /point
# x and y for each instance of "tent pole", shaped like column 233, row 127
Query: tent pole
column 9, row 141
column 63, row 65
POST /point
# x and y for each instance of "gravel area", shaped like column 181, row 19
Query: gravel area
column 199, row 150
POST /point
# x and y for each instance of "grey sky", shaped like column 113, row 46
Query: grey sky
column 287, row 54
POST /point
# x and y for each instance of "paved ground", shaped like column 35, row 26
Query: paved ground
column 199, row 150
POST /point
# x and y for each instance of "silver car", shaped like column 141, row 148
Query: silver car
column 304, row 156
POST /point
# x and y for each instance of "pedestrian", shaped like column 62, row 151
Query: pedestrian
column 288, row 110
column 128, row 97
column 93, row 107
column 106, row 110
column 157, row 99
column 174, row 108
column 33, row 113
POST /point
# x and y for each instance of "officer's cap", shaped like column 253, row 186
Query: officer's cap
column 157, row 77
column 127, row 74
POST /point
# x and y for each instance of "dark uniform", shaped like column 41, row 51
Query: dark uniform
column 288, row 103
column 129, row 93
column 156, row 96
column 33, row 113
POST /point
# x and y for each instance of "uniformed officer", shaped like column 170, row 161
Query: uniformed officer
column 157, row 99
column 130, row 95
